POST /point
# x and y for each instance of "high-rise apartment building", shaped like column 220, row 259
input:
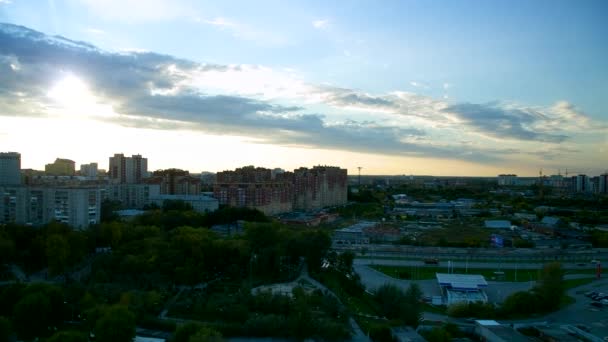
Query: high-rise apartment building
column 60, row 167
column 603, row 184
column 78, row 207
column 10, row 168
column 278, row 192
column 319, row 187
column 132, row 196
column 507, row 180
column 176, row 182
column 254, row 188
column 581, row 183
column 89, row 170
column 128, row 170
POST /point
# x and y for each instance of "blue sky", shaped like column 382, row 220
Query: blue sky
column 481, row 87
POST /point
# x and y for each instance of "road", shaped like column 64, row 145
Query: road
column 467, row 264
column 472, row 254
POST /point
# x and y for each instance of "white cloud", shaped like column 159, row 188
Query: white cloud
column 5, row 2
column 320, row 23
column 446, row 86
column 245, row 32
column 94, row 31
column 419, row 85
column 138, row 10
column 221, row 22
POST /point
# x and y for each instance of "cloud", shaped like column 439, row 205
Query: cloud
column 151, row 90
column 246, row 32
column 220, row 22
column 320, row 23
column 499, row 122
column 94, row 31
column 139, row 10
column 419, row 85
column 5, row 2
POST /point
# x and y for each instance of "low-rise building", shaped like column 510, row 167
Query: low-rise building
column 492, row 331
column 199, row 203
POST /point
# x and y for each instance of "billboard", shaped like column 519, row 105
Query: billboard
column 497, row 240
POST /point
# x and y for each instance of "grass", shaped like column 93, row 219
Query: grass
column 434, row 309
column 572, row 283
column 428, row 272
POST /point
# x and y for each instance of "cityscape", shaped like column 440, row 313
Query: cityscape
column 396, row 170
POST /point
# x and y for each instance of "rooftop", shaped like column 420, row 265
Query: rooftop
column 461, row 281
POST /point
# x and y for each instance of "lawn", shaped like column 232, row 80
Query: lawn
column 428, row 272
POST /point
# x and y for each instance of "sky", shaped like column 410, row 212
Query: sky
column 446, row 88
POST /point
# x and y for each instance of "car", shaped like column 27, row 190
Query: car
column 590, row 293
column 595, row 262
column 597, row 304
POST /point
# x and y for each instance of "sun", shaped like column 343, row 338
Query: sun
column 72, row 97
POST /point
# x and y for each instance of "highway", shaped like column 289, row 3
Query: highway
column 480, row 254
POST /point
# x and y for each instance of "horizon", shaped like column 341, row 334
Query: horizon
column 444, row 89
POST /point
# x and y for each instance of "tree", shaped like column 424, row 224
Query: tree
column 195, row 332
column 5, row 329
column 413, row 310
column 32, row 316
column 117, row 324
column 550, row 288
column 68, row 336
column 57, row 253
column 206, row 334
column 391, row 300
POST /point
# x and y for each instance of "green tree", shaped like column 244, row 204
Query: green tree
column 412, row 311
column 5, row 329
column 550, row 288
column 57, row 253
column 117, row 324
column 68, row 336
column 206, row 334
column 32, row 316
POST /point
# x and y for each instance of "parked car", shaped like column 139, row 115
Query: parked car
column 597, row 304
column 590, row 293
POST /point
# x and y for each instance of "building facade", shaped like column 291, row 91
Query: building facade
column 200, row 203
column 131, row 196
column 278, row 192
column 176, row 182
column 255, row 188
column 319, row 187
column 89, row 170
column 61, row 167
column 10, row 168
column 77, row 207
column 127, row 170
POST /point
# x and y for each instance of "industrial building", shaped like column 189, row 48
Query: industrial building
column 462, row 288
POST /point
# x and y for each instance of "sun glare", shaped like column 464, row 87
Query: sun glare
column 73, row 98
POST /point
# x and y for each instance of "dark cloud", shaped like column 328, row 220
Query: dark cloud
column 148, row 90
column 499, row 122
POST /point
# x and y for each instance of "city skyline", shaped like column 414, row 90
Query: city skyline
column 433, row 88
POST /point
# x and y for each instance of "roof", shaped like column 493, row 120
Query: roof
column 498, row 224
column 461, row 281
column 486, row 322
